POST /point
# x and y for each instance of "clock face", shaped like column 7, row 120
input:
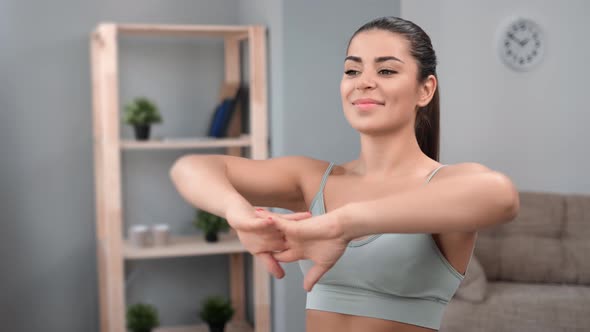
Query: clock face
column 521, row 44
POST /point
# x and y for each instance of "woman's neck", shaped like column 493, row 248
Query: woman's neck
column 388, row 156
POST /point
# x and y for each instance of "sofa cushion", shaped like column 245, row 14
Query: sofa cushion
column 549, row 241
column 473, row 287
column 511, row 306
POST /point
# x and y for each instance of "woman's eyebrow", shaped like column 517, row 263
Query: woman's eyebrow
column 386, row 58
column 377, row 59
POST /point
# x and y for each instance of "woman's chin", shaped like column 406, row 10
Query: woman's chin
column 372, row 130
column 375, row 128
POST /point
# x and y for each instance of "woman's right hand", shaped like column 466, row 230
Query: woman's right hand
column 260, row 235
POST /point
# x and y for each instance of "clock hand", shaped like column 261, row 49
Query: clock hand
column 511, row 36
column 524, row 42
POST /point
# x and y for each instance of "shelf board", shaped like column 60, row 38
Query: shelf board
column 186, row 246
column 230, row 327
column 182, row 29
column 187, row 143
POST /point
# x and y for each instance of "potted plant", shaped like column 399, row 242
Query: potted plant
column 141, row 113
column 142, row 318
column 210, row 224
column 216, row 312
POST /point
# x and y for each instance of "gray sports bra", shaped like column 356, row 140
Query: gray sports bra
column 400, row 277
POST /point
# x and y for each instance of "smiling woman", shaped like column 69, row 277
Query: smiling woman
column 390, row 254
column 399, row 75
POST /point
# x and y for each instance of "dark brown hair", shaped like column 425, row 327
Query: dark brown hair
column 427, row 126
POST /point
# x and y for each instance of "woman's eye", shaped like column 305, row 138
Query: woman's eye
column 351, row 72
column 387, row 72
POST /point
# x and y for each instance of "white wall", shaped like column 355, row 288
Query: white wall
column 532, row 125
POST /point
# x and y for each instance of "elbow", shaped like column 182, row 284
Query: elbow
column 515, row 206
column 174, row 171
column 510, row 201
column 178, row 167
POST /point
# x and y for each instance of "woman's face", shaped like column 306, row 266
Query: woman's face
column 379, row 87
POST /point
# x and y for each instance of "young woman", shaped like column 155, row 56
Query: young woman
column 389, row 235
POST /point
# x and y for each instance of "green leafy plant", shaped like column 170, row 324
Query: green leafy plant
column 142, row 317
column 141, row 111
column 216, row 311
column 210, row 224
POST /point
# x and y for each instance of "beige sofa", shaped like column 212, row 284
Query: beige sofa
column 536, row 271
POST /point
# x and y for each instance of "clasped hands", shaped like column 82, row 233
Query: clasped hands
column 275, row 237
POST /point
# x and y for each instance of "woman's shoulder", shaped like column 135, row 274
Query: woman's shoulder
column 464, row 168
column 467, row 168
column 306, row 161
column 307, row 165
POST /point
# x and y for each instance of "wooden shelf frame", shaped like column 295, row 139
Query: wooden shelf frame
column 240, row 32
column 188, row 143
column 186, row 246
column 108, row 147
column 238, row 326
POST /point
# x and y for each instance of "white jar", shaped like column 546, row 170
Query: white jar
column 161, row 234
column 139, row 236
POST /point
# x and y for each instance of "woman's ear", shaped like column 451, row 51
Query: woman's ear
column 427, row 90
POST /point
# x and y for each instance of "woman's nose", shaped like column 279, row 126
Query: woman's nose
column 365, row 81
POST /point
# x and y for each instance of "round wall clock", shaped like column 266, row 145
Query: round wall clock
column 521, row 44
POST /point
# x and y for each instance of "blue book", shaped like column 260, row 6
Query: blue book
column 223, row 114
column 227, row 114
column 216, row 129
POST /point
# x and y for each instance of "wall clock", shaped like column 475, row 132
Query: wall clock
column 521, row 44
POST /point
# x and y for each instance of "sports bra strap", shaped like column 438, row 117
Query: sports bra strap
column 325, row 177
column 434, row 172
column 329, row 169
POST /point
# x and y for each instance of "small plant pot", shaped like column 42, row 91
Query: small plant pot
column 211, row 237
column 142, row 132
column 217, row 327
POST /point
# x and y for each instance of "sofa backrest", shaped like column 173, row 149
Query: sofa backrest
column 548, row 242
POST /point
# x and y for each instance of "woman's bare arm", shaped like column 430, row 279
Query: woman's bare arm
column 216, row 182
column 468, row 198
column 229, row 186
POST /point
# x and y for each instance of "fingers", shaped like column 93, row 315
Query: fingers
column 265, row 220
column 313, row 275
column 257, row 244
column 258, row 224
column 297, row 216
column 289, row 229
column 272, row 265
column 286, row 256
column 288, row 216
column 276, row 245
column 277, row 221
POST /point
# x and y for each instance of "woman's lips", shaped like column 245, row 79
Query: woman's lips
column 366, row 104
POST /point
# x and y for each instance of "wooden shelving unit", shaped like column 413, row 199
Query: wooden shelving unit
column 186, row 246
column 231, row 327
column 188, row 143
column 112, row 248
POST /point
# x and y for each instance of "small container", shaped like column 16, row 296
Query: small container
column 139, row 236
column 161, row 234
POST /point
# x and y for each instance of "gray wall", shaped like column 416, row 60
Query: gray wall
column 309, row 117
column 307, row 44
column 269, row 14
column 48, row 280
column 533, row 125
column 528, row 125
column 48, row 239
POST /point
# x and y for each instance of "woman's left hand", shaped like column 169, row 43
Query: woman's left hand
column 319, row 239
